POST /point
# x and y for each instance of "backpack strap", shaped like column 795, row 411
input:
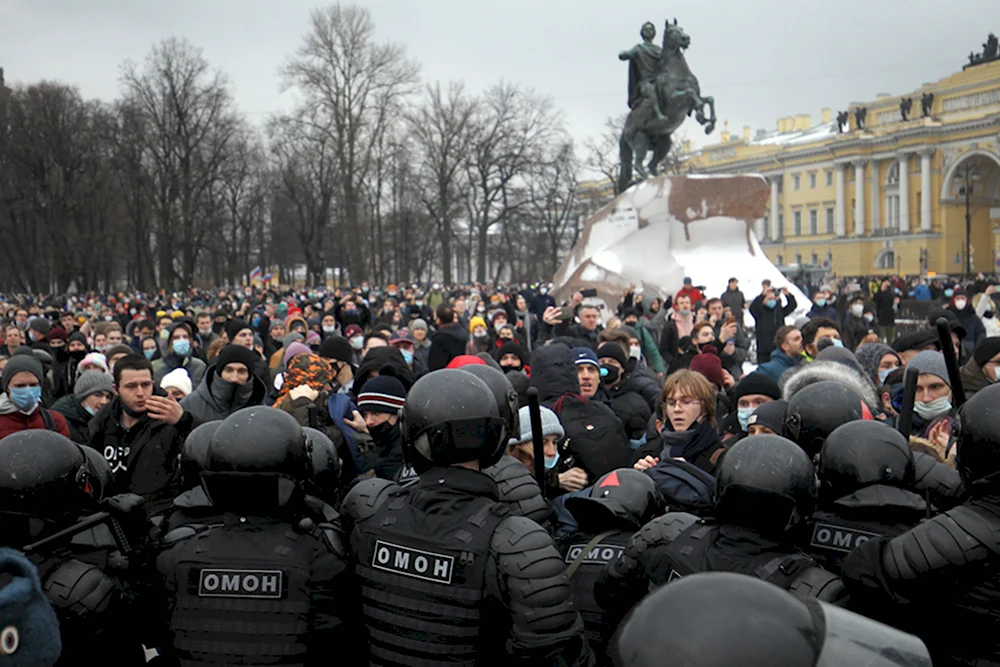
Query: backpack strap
column 50, row 423
column 578, row 561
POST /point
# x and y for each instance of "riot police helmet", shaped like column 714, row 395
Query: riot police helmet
column 623, row 498
column 503, row 392
column 257, row 460
column 977, row 434
column 194, row 453
column 816, row 410
column 863, row 453
column 326, row 464
column 755, row 623
column 100, row 470
column 765, row 483
column 46, row 480
column 450, row 417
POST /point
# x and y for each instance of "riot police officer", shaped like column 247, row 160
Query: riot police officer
column 192, row 505
column 944, row 574
column 865, row 473
column 766, row 486
column 263, row 581
column 433, row 557
column 721, row 619
column 618, row 505
column 47, row 484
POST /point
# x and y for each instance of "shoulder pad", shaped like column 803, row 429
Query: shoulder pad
column 668, row 527
column 364, row 499
column 182, row 533
column 815, row 582
column 940, row 479
column 517, row 534
column 331, row 536
column 79, row 587
column 957, row 537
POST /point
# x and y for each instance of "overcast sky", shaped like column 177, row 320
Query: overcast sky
column 760, row 59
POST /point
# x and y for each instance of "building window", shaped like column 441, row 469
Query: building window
column 829, row 221
column 795, row 181
column 886, row 259
column 797, row 223
column 812, row 180
column 781, row 260
column 767, row 227
column 781, row 226
column 829, row 178
column 781, row 185
column 892, row 197
column 814, row 260
column 798, row 259
column 813, row 222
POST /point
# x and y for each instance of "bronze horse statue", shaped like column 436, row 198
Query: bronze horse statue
column 668, row 99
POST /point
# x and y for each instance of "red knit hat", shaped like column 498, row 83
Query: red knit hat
column 708, row 364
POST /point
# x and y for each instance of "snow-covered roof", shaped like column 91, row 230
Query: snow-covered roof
column 817, row 133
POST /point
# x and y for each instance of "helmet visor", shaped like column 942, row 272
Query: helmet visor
column 855, row 640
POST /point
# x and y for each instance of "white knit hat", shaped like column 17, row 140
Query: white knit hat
column 550, row 425
column 178, row 379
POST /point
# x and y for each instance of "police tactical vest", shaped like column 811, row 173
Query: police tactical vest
column 422, row 580
column 831, row 537
column 242, row 594
column 593, row 564
column 692, row 553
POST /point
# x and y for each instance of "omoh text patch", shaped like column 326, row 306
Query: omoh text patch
column 240, row 584
column 414, row 563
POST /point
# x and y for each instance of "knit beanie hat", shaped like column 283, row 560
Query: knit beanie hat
column 512, row 348
column 870, row 356
column 275, row 323
column 294, row 350
column 92, row 383
column 986, row 349
column 236, row 354
column 418, row 323
column 930, row 363
column 465, row 360
column 756, row 383
column 476, row 321
column 383, row 393
column 612, row 351
column 30, row 630
column 57, row 333
column 337, row 348
column 79, row 337
column 708, row 364
column 21, row 363
column 550, row 425
column 234, row 327
column 93, row 359
column 178, row 379
column 771, row 415
column 41, row 325
column 583, row 356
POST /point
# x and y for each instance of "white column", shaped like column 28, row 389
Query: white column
column 888, row 211
column 774, row 232
column 925, row 189
column 839, row 218
column 904, row 193
column 875, row 199
column 859, row 198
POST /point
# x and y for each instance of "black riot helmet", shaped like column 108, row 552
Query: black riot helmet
column 256, row 461
column 977, row 432
column 100, row 471
column 451, row 417
column 325, row 480
column 623, row 498
column 46, row 482
column 816, row 410
column 194, row 453
column 754, row 622
column 765, row 483
column 503, row 392
column 860, row 454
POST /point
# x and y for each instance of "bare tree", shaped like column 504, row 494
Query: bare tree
column 354, row 87
column 553, row 206
column 510, row 130
column 190, row 116
column 603, row 154
column 442, row 128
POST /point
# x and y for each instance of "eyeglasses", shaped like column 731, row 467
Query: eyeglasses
column 684, row 403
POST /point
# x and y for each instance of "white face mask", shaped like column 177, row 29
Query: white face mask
column 635, row 351
column 960, row 304
column 857, row 309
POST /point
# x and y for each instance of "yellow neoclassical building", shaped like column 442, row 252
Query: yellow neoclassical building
column 880, row 194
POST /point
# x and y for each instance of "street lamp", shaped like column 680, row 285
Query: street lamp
column 968, row 174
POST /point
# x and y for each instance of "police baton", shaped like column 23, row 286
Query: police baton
column 905, row 421
column 950, row 361
column 537, row 440
column 68, row 533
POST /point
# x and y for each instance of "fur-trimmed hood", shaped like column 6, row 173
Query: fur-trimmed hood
column 798, row 377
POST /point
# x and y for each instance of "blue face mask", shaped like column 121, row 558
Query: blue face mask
column 820, row 303
column 90, row 410
column 771, row 303
column 743, row 415
column 949, row 292
column 837, row 342
column 148, row 353
column 883, row 374
column 407, row 356
column 181, row 347
column 25, row 398
column 551, row 461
